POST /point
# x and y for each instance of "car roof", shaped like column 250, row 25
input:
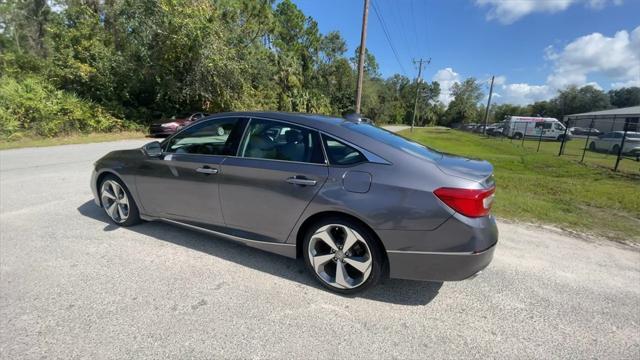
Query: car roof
column 320, row 122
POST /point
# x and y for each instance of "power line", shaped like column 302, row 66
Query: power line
column 415, row 29
column 386, row 34
column 426, row 31
column 397, row 17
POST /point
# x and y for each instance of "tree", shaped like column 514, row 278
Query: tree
column 25, row 24
column 371, row 68
column 464, row 107
column 625, row 97
column 574, row 100
column 332, row 46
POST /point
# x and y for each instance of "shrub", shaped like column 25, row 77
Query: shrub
column 32, row 106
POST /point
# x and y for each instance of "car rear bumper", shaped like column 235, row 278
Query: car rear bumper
column 161, row 133
column 437, row 266
column 456, row 250
column 157, row 130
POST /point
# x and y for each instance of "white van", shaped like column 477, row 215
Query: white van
column 525, row 126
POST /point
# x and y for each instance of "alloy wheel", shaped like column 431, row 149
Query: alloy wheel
column 115, row 201
column 340, row 256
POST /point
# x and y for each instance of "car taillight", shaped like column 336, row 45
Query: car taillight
column 468, row 202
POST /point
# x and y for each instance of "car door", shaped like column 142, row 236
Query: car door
column 183, row 183
column 279, row 169
column 607, row 141
column 604, row 142
column 558, row 130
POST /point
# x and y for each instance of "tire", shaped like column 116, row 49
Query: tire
column 323, row 248
column 592, row 146
column 517, row 136
column 117, row 202
column 615, row 149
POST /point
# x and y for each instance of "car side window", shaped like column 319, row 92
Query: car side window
column 214, row 137
column 275, row 140
column 340, row 153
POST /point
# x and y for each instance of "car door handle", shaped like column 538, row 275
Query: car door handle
column 301, row 181
column 207, row 170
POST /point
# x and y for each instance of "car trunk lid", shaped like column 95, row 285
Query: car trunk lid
column 470, row 169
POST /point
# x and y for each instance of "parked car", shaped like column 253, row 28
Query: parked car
column 478, row 129
column 169, row 127
column 611, row 142
column 469, row 127
column 584, row 131
column 354, row 200
column 495, row 129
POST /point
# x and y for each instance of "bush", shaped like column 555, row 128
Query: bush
column 32, row 106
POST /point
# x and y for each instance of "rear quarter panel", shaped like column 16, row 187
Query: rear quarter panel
column 399, row 198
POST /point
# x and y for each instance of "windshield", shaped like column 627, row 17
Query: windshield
column 395, row 140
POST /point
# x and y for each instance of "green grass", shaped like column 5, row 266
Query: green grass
column 544, row 188
column 71, row 139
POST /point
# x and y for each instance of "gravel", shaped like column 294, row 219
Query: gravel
column 72, row 285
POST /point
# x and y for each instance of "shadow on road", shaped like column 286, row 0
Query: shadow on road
column 404, row 292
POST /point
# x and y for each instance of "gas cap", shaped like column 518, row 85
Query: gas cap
column 356, row 181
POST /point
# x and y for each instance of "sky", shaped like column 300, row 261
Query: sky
column 532, row 47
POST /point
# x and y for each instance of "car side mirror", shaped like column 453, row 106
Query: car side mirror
column 152, row 149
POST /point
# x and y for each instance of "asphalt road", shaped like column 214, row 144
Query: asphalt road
column 74, row 286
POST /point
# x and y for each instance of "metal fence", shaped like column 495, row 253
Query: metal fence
column 612, row 142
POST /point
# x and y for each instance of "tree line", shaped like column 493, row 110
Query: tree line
column 104, row 65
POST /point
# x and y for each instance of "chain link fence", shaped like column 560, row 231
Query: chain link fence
column 611, row 142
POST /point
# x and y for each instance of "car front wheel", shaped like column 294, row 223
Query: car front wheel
column 343, row 255
column 117, row 202
column 615, row 149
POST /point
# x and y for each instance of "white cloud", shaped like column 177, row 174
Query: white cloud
column 616, row 58
column 630, row 83
column 509, row 11
column 500, row 80
column 446, row 77
column 522, row 93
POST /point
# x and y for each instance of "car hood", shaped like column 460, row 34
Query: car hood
column 470, row 169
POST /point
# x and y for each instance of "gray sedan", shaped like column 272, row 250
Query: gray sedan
column 355, row 201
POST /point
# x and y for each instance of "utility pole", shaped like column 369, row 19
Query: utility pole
column 486, row 111
column 415, row 102
column 363, row 40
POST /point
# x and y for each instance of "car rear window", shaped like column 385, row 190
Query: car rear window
column 399, row 142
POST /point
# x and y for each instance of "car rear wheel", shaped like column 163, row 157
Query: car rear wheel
column 343, row 255
column 517, row 136
column 117, row 202
column 592, row 146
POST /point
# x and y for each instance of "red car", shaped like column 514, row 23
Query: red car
column 169, row 127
